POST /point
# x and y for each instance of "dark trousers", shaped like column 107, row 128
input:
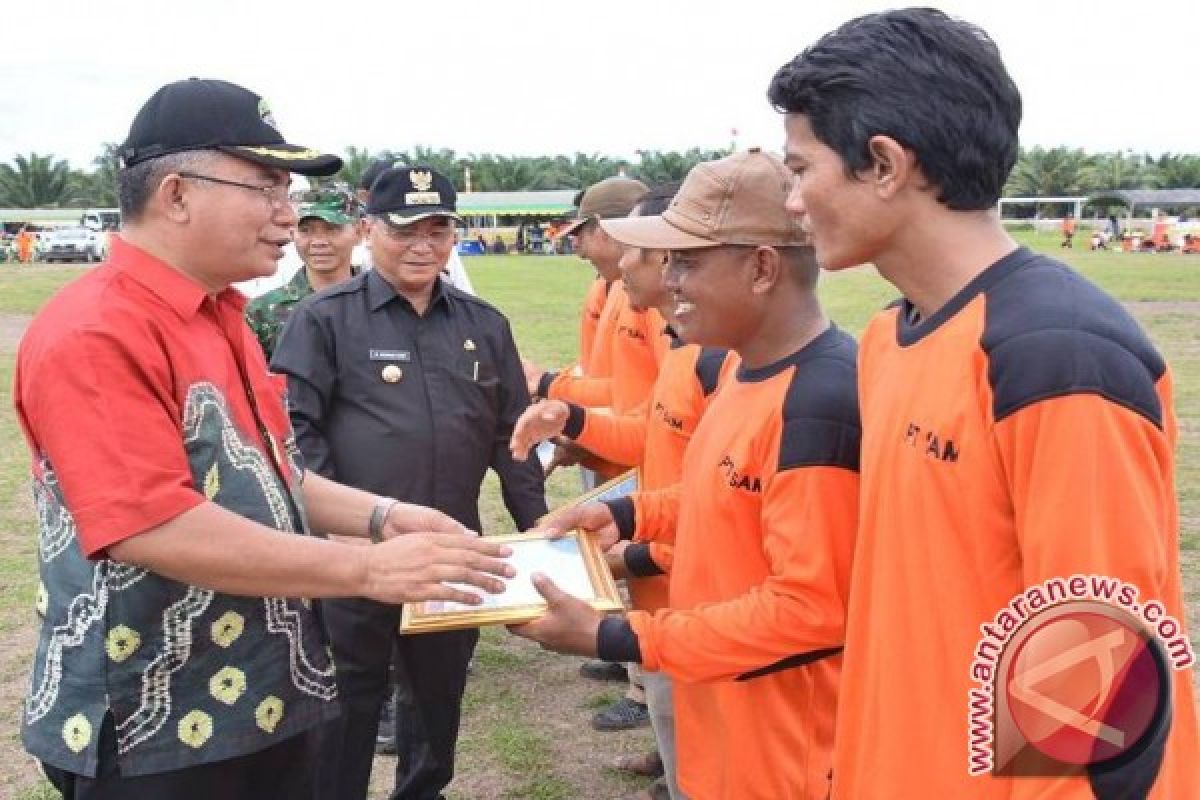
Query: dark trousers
column 431, row 675
column 281, row 772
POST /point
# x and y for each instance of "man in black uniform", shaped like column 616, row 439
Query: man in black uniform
column 400, row 383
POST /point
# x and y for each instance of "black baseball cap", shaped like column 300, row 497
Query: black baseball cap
column 403, row 195
column 197, row 114
column 374, row 170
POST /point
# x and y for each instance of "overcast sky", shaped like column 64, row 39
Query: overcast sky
column 532, row 78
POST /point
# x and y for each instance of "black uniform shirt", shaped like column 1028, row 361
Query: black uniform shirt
column 412, row 407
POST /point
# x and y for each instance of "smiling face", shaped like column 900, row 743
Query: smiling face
column 410, row 257
column 841, row 213
column 326, row 248
column 712, row 293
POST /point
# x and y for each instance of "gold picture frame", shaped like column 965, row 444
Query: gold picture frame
column 621, row 486
column 573, row 561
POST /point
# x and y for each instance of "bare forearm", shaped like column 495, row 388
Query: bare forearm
column 335, row 508
column 214, row 548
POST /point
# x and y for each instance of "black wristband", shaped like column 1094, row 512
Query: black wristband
column 576, row 415
column 616, row 641
column 624, row 515
column 639, row 562
column 543, row 387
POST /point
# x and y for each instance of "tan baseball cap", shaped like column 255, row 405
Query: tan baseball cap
column 609, row 199
column 738, row 199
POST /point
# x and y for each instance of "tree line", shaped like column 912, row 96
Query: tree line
column 43, row 181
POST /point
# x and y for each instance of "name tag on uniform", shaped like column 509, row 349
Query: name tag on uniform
column 391, row 355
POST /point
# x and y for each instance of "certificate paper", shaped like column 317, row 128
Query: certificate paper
column 573, row 562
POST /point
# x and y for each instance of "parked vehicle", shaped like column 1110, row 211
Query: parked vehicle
column 72, row 244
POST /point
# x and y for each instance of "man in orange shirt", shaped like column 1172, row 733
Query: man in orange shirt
column 1018, row 434
column 627, row 345
column 654, row 437
column 766, row 512
column 615, row 371
column 592, row 371
column 1068, row 231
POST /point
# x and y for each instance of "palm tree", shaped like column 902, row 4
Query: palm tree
column 355, row 161
column 99, row 187
column 1122, row 170
column 670, row 167
column 584, row 170
column 1178, row 171
column 1055, row 172
column 36, row 182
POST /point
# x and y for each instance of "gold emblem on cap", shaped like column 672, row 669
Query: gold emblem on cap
column 391, row 373
column 468, row 345
column 422, row 181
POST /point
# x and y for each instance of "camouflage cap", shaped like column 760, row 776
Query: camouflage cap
column 336, row 204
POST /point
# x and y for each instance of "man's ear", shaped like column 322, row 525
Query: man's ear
column 893, row 166
column 767, row 269
column 172, row 197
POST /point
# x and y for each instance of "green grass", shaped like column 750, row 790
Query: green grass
column 42, row 791
column 25, row 287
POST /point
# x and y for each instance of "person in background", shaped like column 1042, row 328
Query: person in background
column 328, row 230
column 400, row 383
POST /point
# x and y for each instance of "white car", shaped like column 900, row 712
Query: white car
column 72, row 244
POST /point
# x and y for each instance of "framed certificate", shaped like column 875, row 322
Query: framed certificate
column 574, row 562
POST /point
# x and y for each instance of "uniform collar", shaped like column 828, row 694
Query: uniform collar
column 183, row 294
column 380, row 293
column 300, row 286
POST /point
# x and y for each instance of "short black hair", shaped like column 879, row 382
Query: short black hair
column 935, row 84
column 136, row 184
column 657, row 199
column 802, row 265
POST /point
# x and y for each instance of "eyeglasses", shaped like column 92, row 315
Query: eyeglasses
column 277, row 196
column 439, row 237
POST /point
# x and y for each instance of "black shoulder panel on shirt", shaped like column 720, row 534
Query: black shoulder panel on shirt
column 1050, row 332
column 708, row 368
column 821, row 425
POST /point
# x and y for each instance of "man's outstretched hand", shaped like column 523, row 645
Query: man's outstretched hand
column 542, row 420
column 595, row 519
column 569, row 625
column 420, row 566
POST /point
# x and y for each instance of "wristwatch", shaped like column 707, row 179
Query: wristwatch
column 379, row 515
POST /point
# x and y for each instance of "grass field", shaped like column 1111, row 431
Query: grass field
column 525, row 729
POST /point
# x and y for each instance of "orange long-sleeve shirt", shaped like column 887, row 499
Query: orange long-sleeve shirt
column 1022, row 433
column 589, row 320
column 655, row 436
column 766, row 512
column 623, row 362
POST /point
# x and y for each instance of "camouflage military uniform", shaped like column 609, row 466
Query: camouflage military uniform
column 268, row 313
